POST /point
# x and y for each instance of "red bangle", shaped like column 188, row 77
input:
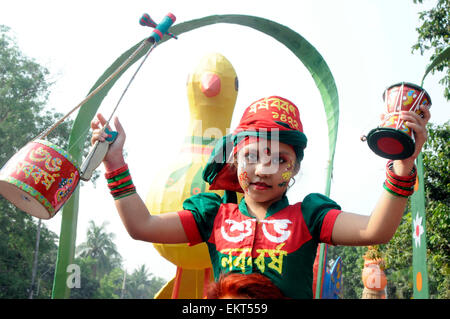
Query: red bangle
column 399, row 185
column 409, row 178
column 120, row 182
column 398, row 191
column 116, row 172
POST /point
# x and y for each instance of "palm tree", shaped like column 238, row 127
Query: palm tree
column 142, row 284
column 138, row 284
column 100, row 247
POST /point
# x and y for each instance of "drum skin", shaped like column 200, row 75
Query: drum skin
column 39, row 179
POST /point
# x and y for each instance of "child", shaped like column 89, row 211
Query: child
column 263, row 233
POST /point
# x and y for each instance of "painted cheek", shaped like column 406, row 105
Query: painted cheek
column 244, row 181
column 287, row 175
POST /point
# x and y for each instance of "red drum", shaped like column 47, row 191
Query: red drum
column 39, row 179
column 393, row 139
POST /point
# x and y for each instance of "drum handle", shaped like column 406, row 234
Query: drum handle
column 97, row 89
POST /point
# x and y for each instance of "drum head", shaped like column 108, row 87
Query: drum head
column 390, row 143
column 23, row 201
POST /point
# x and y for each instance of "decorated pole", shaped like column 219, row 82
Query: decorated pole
column 419, row 241
column 418, row 225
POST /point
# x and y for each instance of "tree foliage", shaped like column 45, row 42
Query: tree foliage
column 23, row 94
column 101, row 270
column 101, row 248
column 24, row 90
column 434, row 36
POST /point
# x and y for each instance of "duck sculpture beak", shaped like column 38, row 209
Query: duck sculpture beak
column 210, row 84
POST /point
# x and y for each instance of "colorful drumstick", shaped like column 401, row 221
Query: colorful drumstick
column 159, row 29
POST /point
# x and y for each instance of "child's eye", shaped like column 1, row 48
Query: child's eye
column 278, row 160
column 251, row 157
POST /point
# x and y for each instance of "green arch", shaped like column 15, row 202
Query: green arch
column 298, row 45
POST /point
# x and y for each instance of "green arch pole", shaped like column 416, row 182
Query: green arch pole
column 78, row 136
column 418, row 212
column 420, row 271
column 302, row 49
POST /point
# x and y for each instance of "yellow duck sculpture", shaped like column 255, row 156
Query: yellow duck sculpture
column 212, row 91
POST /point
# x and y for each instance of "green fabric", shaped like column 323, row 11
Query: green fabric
column 204, row 207
column 218, row 158
column 274, row 208
column 295, row 275
column 314, row 208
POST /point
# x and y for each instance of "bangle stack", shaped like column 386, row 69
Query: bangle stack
column 120, row 182
column 402, row 186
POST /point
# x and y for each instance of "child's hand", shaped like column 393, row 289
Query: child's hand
column 114, row 158
column 417, row 123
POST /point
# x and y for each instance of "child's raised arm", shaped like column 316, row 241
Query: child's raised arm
column 359, row 230
column 140, row 224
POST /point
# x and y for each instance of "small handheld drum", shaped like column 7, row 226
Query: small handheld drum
column 393, row 139
column 39, row 179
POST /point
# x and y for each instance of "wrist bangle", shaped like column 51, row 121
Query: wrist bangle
column 116, row 172
column 120, row 182
column 402, row 186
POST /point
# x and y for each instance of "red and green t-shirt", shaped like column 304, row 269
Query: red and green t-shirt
column 282, row 246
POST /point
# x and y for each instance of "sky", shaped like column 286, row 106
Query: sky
column 366, row 44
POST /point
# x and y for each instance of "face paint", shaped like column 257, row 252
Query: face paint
column 243, row 180
column 243, row 176
column 287, row 175
column 283, row 184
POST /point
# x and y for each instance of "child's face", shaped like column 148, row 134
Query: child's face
column 265, row 169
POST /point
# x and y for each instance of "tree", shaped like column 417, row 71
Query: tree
column 434, row 35
column 17, row 242
column 101, row 248
column 111, row 285
column 137, row 285
column 23, row 94
column 141, row 284
column 436, row 159
column 398, row 252
column 89, row 285
column 24, row 90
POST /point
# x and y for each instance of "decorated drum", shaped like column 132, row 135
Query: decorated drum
column 39, row 179
column 393, row 139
